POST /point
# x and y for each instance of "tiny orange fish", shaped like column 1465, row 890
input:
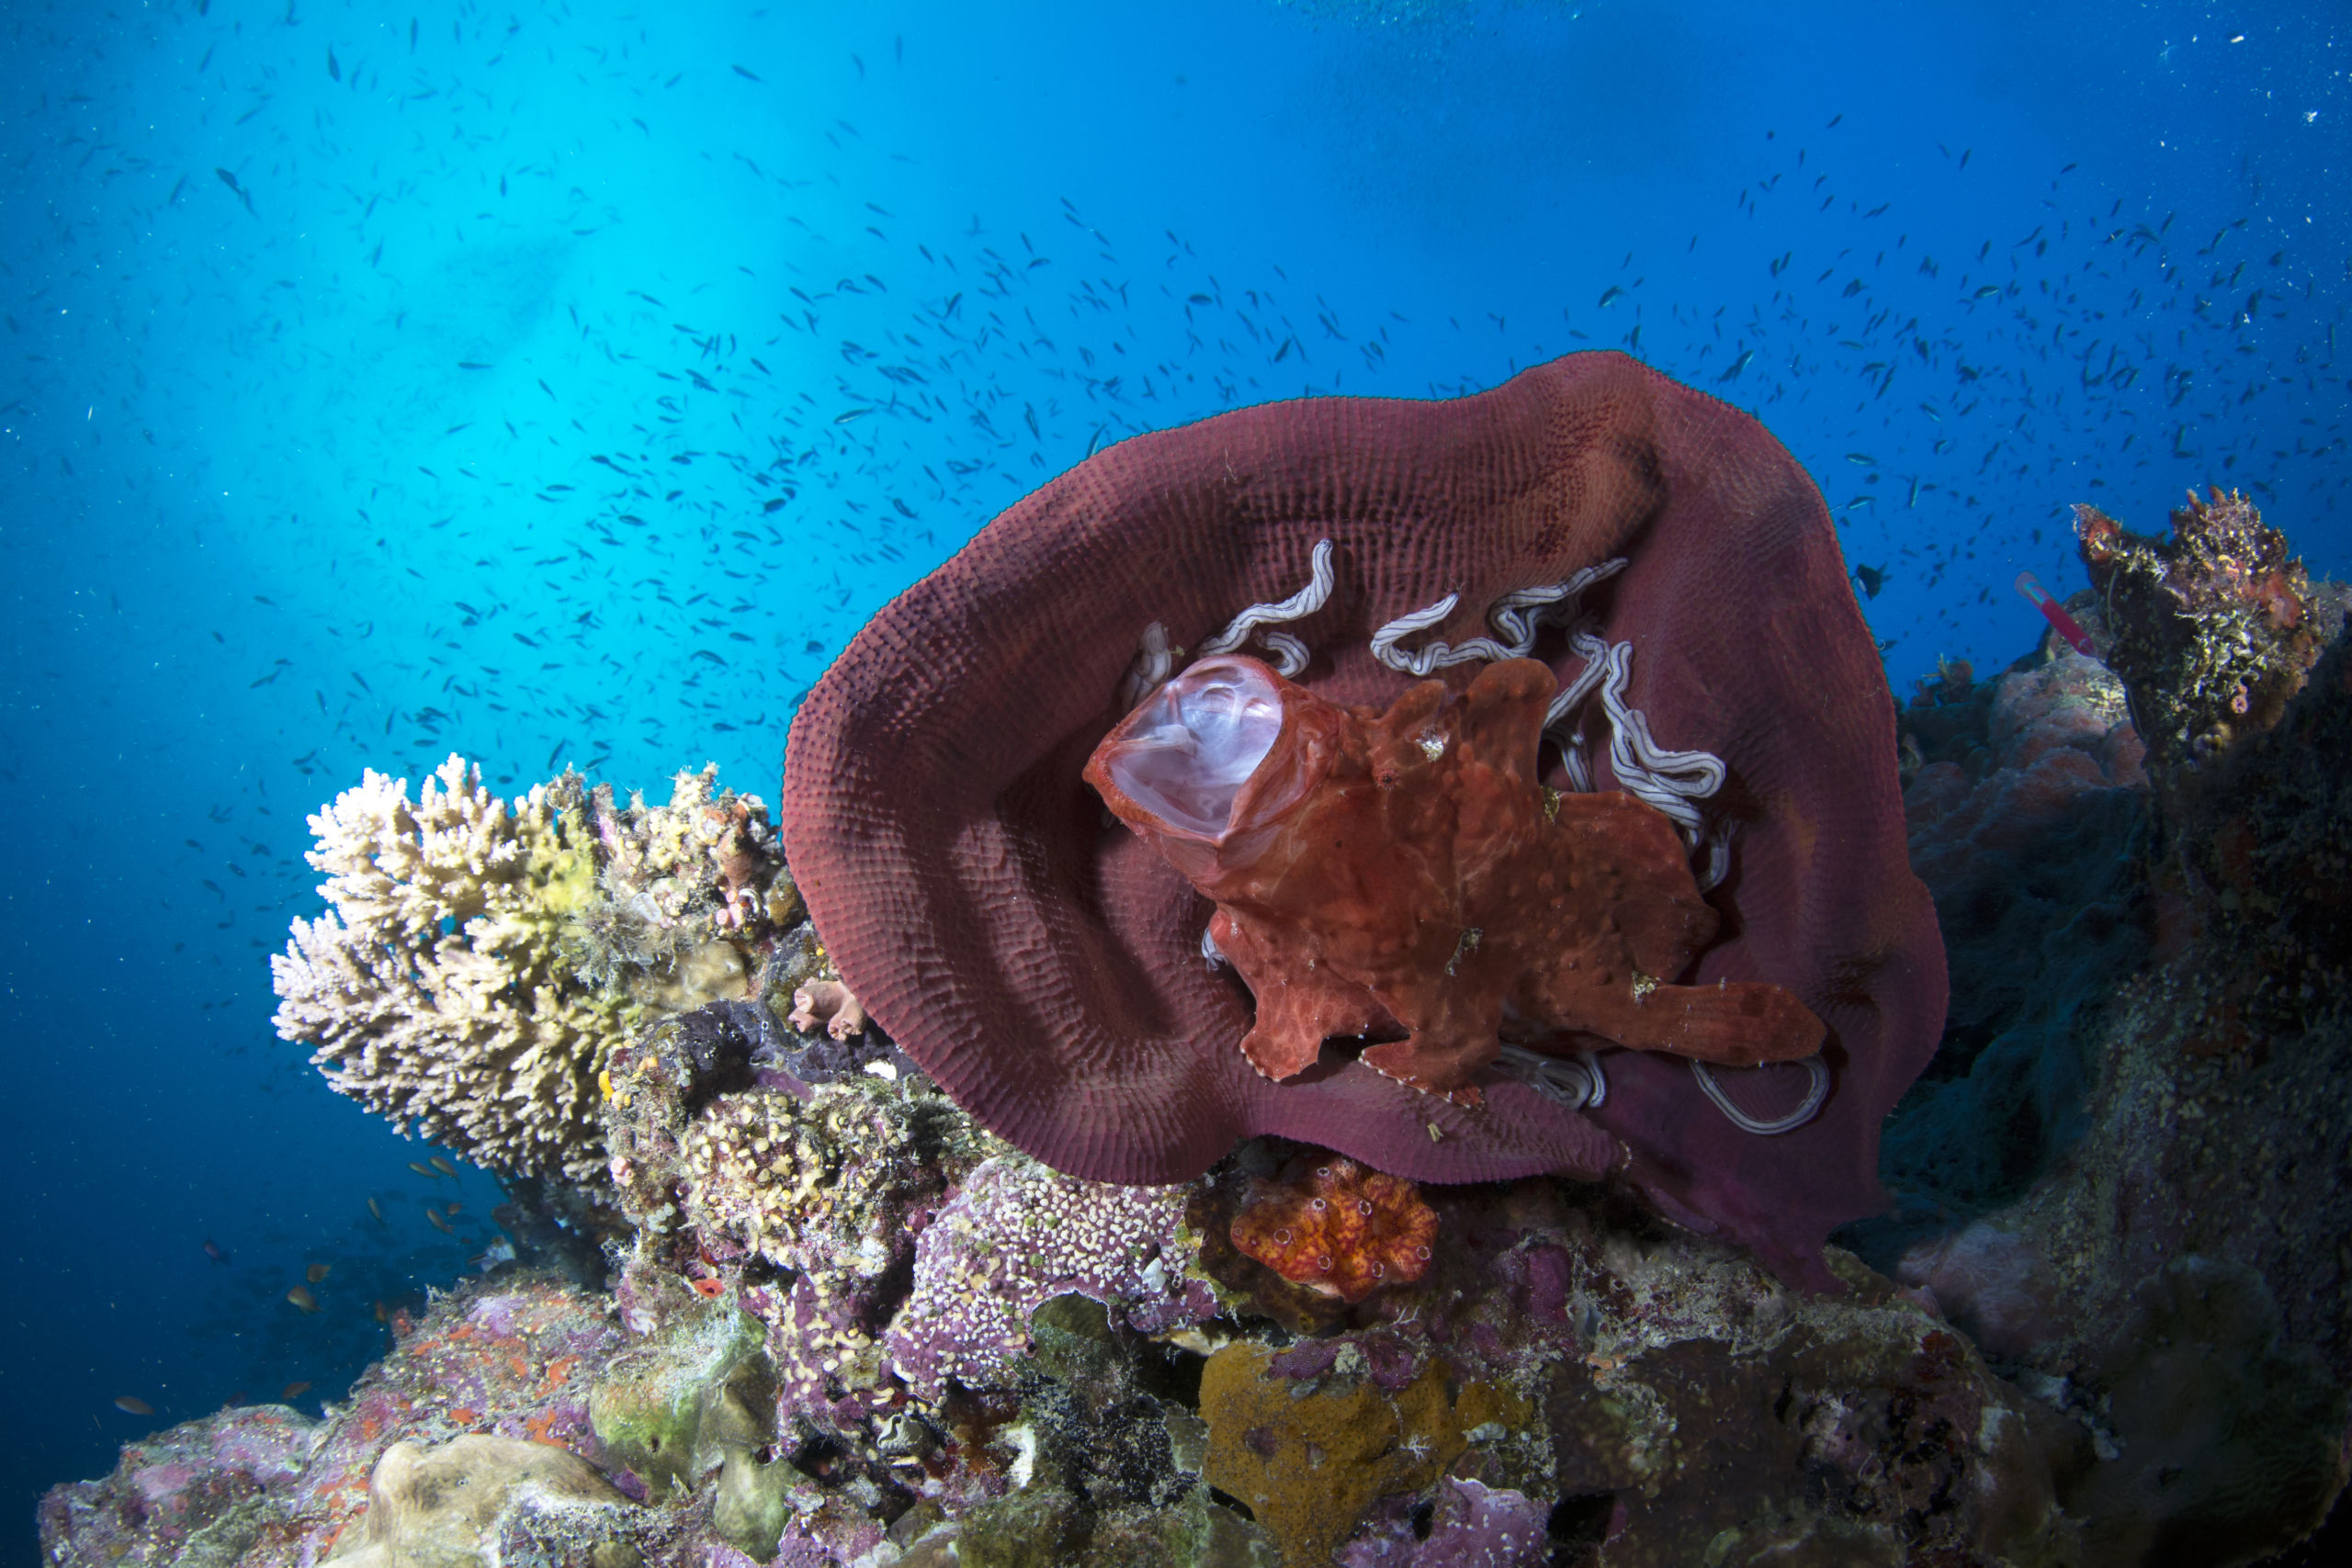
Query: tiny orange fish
column 131, row 1405
column 301, row 1299
column 438, row 1223
column 708, row 1287
column 295, row 1391
column 382, row 1313
column 317, row 1273
column 443, row 1166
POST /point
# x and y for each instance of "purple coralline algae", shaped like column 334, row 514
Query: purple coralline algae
column 1471, row 1525
column 199, row 1492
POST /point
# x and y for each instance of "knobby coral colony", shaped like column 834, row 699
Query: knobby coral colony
column 480, row 959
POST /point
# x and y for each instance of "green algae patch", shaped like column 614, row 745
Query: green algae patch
column 664, row 1407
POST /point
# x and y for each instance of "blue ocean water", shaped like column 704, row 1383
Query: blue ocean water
column 565, row 383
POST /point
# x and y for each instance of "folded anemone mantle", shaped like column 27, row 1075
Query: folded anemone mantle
column 1047, row 964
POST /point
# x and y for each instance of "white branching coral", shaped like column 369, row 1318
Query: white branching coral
column 481, row 958
column 437, row 990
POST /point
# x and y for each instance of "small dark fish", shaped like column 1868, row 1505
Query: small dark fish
column 131, row 1404
column 1989, row 290
column 1872, row 578
column 300, row 1299
column 441, row 1165
column 471, row 365
column 1611, row 292
column 854, row 413
column 438, row 1223
column 424, row 1170
column 317, row 1273
column 294, row 1390
column 212, row 1250
column 748, row 76
column 333, row 68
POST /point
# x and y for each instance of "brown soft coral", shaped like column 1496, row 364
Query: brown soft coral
column 1378, row 871
column 1336, row 1228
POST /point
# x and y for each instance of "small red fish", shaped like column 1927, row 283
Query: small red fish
column 212, row 1250
column 2068, row 627
column 131, row 1405
column 707, row 1287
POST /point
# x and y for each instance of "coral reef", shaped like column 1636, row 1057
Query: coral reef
column 1446, row 893
column 436, row 991
column 1048, row 971
column 198, row 1494
column 480, row 959
column 486, row 1500
column 1337, row 1228
column 1017, row 1235
column 1070, row 1373
column 2173, row 1275
column 2213, row 629
column 1470, row 1526
column 817, row 1315
column 2025, row 807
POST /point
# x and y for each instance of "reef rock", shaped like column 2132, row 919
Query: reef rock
column 477, row 1502
column 2214, row 631
column 199, row 1495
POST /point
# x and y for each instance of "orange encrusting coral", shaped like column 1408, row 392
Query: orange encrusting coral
column 1405, row 870
column 1337, row 1227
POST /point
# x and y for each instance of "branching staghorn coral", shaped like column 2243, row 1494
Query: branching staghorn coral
column 481, row 958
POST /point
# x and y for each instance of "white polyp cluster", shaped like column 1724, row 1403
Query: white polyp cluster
column 1197, row 741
